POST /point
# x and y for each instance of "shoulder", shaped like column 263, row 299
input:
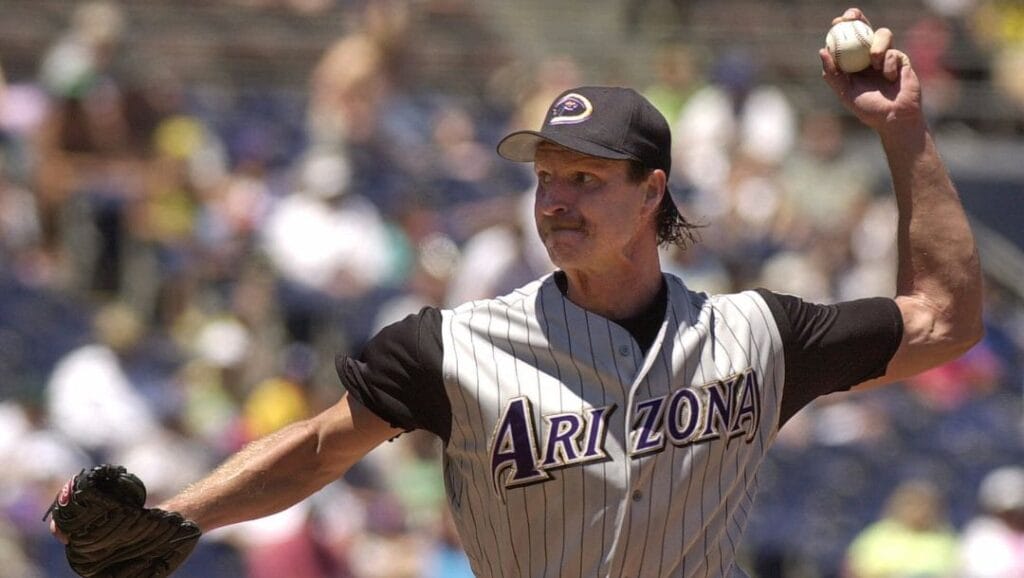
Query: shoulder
column 411, row 326
column 516, row 299
column 750, row 305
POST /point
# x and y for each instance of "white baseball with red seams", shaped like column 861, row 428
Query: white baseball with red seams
column 849, row 43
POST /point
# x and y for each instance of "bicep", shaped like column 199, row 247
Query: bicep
column 831, row 348
column 345, row 433
column 927, row 341
column 398, row 375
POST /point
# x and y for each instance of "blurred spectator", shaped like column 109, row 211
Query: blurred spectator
column 736, row 113
column 278, row 401
column 500, row 258
column 975, row 374
column 347, row 87
column 537, row 88
column 930, row 43
column 1006, row 77
column 870, row 265
column 214, row 383
column 436, row 259
column 992, row 544
column 460, row 165
column 702, row 268
column 746, row 207
column 789, row 271
column 20, row 229
column 90, row 397
column 93, row 149
column 284, row 544
column 386, row 548
column 325, row 240
column 998, row 30
column 822, row 155
column 358, row 114
column 949, row 62
column 633, row 13
column 85, row 51
column 446, row 558
column 13, row 554
column 166, row 460
column 676, row 77
column 912, row 538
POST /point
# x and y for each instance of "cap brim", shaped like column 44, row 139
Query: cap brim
column 521, row 146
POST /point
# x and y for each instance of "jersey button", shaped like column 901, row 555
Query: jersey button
column 638, row 495
column 623, row 350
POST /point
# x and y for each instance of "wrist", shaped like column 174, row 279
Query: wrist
column 903, row 132
column 181, row 508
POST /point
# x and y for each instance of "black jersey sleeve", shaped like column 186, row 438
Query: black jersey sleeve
column 831, row 348
column 398, row 375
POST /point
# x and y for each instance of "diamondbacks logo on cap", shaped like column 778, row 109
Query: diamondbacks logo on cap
column 571, row 109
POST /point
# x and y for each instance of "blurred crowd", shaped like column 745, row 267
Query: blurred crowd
column 179, row 267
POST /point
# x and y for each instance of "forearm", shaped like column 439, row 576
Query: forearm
column 279, row 470
column 938, row 265
column 267, row 476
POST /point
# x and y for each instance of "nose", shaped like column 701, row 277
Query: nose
column 554, row 199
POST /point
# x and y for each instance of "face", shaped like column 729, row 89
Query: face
column 589, row 214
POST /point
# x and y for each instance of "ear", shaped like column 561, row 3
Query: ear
column 654, row 189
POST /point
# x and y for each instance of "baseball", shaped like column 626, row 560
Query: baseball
column 849, row 43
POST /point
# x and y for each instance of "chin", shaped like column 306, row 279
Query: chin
column 565, row 246
column 564, row 258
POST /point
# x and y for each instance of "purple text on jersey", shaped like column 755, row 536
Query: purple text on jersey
column 571, row 439
column 725, row 408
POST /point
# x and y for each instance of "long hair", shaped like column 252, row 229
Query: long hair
column 672, row 226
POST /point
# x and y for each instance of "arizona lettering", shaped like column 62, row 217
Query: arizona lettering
column 569, row 439
column 522, row 455
column 725, row 408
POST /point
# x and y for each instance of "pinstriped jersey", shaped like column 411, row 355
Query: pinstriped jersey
column 571, row 449
column 574, row 453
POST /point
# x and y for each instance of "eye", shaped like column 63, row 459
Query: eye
column 544, row 177
column 583, row 178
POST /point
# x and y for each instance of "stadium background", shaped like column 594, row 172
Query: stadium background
column 202, row 202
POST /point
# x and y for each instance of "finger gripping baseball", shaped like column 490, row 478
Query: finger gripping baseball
column 111, row 534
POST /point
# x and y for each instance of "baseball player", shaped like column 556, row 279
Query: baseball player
column 606, row 420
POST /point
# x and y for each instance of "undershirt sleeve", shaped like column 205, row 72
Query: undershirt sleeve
column 831, row 348
column 398, row 376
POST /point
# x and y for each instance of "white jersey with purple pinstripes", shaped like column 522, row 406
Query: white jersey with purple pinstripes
column 574, row 453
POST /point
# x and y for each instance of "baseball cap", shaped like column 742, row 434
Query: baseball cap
column 600, row 121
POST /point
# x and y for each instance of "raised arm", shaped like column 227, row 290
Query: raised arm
column 939, row 288
column 281, row 469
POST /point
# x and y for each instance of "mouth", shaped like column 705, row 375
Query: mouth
column 552, row 228
column 559, row 235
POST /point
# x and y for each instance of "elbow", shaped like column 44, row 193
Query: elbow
column 958, row 322
column 969, row 334
column 962, row 334
column 969, row 325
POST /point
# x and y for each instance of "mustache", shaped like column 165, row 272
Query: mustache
column 549, row 224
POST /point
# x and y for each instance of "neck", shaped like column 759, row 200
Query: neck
column 618, row 295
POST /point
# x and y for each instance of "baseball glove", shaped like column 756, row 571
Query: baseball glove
column 110, row 532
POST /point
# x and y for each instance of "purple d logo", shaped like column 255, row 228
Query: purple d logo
column 571, row 109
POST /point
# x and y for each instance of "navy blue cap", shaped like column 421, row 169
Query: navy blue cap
column 600, row 121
